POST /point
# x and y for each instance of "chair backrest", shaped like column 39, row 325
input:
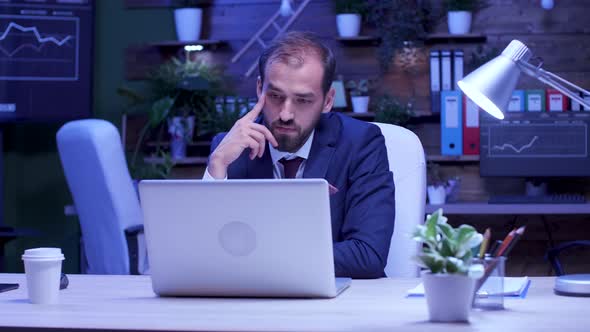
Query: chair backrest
column 406, row 161
column 106, row 201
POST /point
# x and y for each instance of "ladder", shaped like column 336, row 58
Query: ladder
column 257, row 38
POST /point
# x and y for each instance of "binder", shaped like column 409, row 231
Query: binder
column 457, row 68
column 446, row 76
column 516, row 103
column 435, row 81
column 470, row 127
column 586, row 98
column 535, row 100
column 555, row 101
column 575, row 106
column 451, row 123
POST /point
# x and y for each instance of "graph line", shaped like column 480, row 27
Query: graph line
column 33, row 47
column 517, row 150
column 36, row 32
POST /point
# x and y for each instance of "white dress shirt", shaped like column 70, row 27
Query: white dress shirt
column 276, row 155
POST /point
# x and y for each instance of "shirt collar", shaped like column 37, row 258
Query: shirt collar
column 303, row 151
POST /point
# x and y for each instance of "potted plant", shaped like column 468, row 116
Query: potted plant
column 187, row 19
column 400, row 24
column 450, row 276
column 227, row 111
column 176, row 92
column 359, row 95
column 459, row 15
column 389, row 110
column 437, row 187
column 349, row 14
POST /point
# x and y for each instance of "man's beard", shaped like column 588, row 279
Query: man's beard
column 293, row 142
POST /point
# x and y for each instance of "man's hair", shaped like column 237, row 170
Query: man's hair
column 293, row 48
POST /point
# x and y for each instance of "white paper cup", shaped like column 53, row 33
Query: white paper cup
column 43, row 271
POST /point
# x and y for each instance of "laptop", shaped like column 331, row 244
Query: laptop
column 240, row 238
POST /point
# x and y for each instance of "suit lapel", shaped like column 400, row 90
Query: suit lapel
column 323, row 146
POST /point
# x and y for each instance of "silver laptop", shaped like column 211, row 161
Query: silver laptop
column 240, row 238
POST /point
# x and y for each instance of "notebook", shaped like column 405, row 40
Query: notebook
column 513, row 287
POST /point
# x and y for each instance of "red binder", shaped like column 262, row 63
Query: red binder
column 556, row 101
column 470, row 127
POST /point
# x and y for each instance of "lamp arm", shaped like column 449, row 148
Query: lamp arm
column 554, row 81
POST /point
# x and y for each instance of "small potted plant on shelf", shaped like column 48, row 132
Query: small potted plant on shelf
column 459, row 15
column 389, row 110
column 450, row 277
column 187, row 19
column 437, row 187
column 349, row 14
column 359, row 95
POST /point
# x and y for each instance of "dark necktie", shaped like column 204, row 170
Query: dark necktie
column 291, row 166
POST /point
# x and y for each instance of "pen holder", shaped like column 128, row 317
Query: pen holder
column 490, row 288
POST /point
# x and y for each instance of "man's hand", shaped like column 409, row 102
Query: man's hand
column 244, row 134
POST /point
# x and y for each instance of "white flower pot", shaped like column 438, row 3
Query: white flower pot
column 181, row 131
column 188, row 23
column 360, row 104
column 449, row 296
column 349, row 25
column 436, row 194
column 459, row 22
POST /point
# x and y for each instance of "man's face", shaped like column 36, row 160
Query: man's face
column 294, row 101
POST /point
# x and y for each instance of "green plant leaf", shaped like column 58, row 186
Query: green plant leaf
column 432, row 261
column 160, row 110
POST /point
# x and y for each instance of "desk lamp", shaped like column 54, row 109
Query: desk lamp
column 490, row 87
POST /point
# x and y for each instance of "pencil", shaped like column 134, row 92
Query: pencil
column 517, row 236
column 484, row 243
column 505, row 243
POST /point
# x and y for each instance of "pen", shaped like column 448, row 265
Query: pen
column 484, row 243
column 494, row 247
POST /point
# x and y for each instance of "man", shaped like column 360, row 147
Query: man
column 306, row 141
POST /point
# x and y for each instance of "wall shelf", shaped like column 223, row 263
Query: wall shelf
column 159, row 3
column 453, row 159
column 141, row 59
column 211, row 44
column 359, row 40
column 441, row 38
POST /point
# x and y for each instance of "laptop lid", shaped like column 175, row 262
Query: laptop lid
column 260, row 238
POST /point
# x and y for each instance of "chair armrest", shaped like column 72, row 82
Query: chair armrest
column 134, row 230
column 131, row 235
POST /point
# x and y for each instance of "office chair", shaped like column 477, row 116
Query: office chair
column 104, row 196
column 406, row 161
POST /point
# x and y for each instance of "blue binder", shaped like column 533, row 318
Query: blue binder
column 451, row 123
column 517, row 102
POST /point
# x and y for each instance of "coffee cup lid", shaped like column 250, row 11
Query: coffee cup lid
column 43, row 254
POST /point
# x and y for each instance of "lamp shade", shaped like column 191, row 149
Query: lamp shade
column 491, row 85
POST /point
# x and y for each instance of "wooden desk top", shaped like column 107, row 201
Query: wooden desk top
column 509, row 209
column 128, row 303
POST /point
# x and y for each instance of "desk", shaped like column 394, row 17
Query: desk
column 128, row 303
column 485, row 208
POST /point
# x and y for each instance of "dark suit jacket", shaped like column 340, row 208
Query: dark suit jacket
column 351, row 156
